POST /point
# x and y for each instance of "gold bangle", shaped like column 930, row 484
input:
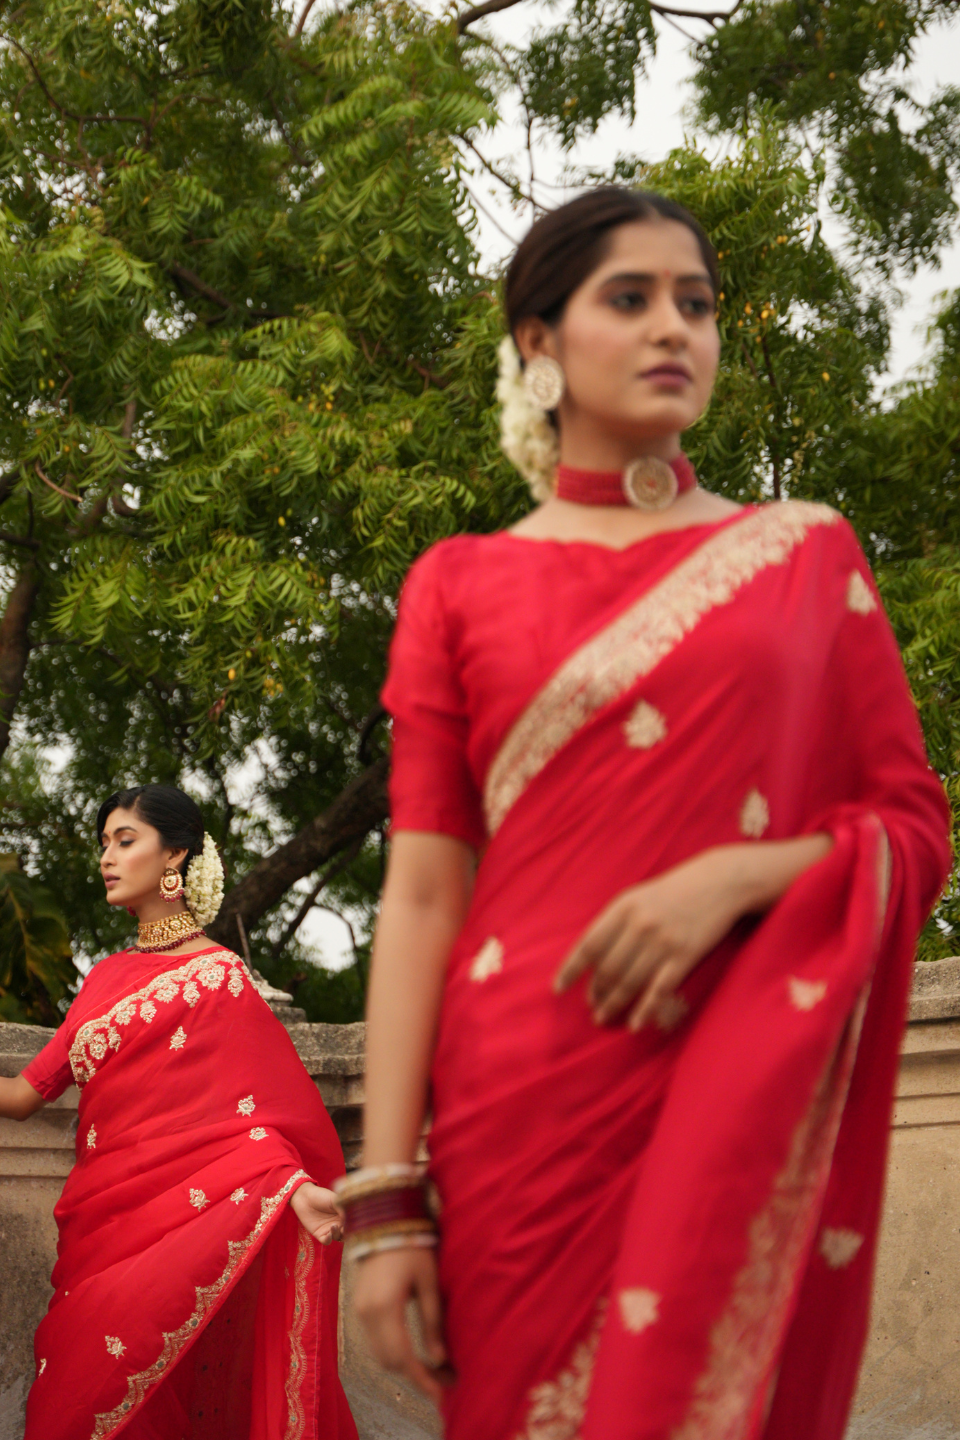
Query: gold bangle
column 419, row 1240
column 377, row 1180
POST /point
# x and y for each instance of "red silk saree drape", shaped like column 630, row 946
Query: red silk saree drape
column 670, row 1235
column 188, row 1300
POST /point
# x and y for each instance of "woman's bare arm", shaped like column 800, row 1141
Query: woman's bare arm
column 425, row 899
column 18, row 1099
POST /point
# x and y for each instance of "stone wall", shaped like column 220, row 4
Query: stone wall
column 910, row 1386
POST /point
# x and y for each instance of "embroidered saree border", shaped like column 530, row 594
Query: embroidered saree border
column 293, row 1389
column 609, row 663
column 744, row 1342
column 208, row 1297
column 557, row 1406
column 95, row 1038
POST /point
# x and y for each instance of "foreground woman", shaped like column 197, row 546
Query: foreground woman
column 192, row 1294
column 661, row 1021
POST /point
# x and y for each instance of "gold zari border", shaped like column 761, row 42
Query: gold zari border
column 207, row 1297
column 96, row 1038
column 296, row 1415
column 609, row 663
column 745, row 1340
column 557, row 1406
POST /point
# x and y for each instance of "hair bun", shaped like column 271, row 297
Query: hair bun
column 526, row 435
column 203, row 887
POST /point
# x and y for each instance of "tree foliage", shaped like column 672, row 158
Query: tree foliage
column 34, row 948
column 247, row 357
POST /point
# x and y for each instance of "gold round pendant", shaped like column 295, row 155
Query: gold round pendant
column 649, row 483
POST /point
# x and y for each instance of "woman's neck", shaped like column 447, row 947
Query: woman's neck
column 585, row 446
column 155, row 908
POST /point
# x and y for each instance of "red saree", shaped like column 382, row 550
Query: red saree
column 669, row 1235
column 189, row 1301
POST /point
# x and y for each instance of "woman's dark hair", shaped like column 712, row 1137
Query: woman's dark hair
column 167, row 809
column 566, row 245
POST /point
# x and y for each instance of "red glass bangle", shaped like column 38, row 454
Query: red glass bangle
column 390, row 1205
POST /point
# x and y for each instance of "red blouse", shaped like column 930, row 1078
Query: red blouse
column 456, row 682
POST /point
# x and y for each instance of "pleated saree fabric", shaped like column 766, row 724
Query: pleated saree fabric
column 667, row 1235
column 189, row 1303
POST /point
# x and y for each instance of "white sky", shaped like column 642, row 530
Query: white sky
column 658, row 128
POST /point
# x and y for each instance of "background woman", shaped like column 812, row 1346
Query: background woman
column 660, row 1018
column 192, row 1293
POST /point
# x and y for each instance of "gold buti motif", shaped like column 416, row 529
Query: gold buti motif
column 839, row 1247
column 754, row 815
column 649, row 484
column 859, row 595
column 645, row 727
column 805, row 994
column 639, row 1309
column 488, row 961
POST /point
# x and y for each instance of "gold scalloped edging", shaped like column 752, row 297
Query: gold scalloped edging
column 96, row 1038
column 207, row 1298
column 296, row 1415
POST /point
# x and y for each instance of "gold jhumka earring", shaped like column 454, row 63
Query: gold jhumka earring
column 171, row 885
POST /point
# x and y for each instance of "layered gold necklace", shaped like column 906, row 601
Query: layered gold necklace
column 165, row 934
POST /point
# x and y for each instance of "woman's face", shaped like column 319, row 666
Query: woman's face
column 133, row 858
column 638, row 340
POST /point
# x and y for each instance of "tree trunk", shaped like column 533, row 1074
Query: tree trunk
column 15, row 646
column 359, row 808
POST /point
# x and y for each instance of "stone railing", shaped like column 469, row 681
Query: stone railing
column 910, row 1386
column 35, row 1159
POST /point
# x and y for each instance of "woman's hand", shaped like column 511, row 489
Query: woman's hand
column 385, row 1284
column 316, row 1209
column 650, row 937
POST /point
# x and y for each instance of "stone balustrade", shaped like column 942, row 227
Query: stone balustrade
column 910, row 1386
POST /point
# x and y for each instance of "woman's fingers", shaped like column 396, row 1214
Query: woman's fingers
column 660, row 991
column 591, row 947
column 635, row 976
column 431, row 1318
column 384, row 1284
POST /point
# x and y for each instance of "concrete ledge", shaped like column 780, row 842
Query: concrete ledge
column 935, row 993
column 910, row 1384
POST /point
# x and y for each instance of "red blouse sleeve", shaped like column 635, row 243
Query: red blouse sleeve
column 431, row 784
column 49, row 1072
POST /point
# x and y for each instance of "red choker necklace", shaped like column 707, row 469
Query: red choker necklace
column 646, row 484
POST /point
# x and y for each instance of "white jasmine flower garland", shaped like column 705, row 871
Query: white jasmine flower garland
column 203, row 887
column 526, row 435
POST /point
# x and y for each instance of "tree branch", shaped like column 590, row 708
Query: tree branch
column 67, row 494
column 294, row 149
column 311, row 899
column 15, row 646
column 189, row 277
column 303, row 18
column 491, row 7
column 477, row 12
column 358, row 809
column 19, row 540
column 70, row 114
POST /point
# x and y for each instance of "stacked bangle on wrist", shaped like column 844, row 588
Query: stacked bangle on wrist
column 385, row 1208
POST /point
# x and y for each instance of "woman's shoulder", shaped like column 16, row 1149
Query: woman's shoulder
column 809, row 518
column 440, row 572
column 451, row 553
